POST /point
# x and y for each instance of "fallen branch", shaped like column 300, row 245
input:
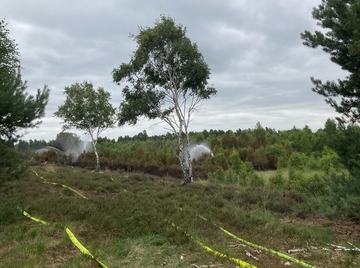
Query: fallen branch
column 357, row 249
column 336, row 247
column 296, row 250
column 251, row 256
column 236, row 245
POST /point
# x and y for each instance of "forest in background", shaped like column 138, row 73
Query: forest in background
column 262, row 148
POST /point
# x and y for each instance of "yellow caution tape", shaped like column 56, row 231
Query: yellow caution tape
column 82, row 249
column 63, row 185
column 282, row 255
column 38, row 175
column 216, row 253
column 71, row 236
column 33, row 218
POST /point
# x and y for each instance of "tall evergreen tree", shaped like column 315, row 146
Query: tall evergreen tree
column 18, row 110
column 341, row 40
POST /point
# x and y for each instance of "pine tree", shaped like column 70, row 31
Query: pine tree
column 18, row 110
column 341, row 40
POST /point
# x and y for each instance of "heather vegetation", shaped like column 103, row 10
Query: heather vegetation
column 320, row 165
column 140, row 220
column 283, row 190
column 251, row 196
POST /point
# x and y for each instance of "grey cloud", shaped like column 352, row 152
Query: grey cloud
column 253, row 48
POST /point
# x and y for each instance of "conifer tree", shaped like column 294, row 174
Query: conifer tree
column 340, row 38
column 18, row 110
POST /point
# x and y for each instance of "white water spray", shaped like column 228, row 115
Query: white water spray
column 81, row 147
column 46, row 149
column 197, row 150
column 74, row 151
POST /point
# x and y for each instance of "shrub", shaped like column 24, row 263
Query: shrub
column 277, row 181
column 221, row 160
column 231, row 177
column 218, row 176
column 297, row 160
column 11, row 167
column 311, row 185
column 255, row 180
column 236, row 163
column 329, row 161
column 240, row 173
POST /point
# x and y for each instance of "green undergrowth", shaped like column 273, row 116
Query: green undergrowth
column 126, row 221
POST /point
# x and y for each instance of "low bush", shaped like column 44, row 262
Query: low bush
column 309, row 184
column 278, row 181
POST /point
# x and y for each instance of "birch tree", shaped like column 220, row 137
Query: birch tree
column 166, row 78
column 88, row 110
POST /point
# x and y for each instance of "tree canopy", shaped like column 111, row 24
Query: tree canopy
column 165, row 66
column 88, row 110
column 341, row 40
column 18, row 109
column 9, row 54
column 166, row 78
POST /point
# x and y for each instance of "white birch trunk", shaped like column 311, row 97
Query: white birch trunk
column 93, row 141
column 97, row 158
column 190, row 171
column 185, row 160
column 181, row 155
column 184, row 157
column 184, row 105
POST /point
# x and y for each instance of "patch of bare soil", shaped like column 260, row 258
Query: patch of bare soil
column 343, row 230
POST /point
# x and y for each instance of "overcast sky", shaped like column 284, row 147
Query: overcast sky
column 253, row 48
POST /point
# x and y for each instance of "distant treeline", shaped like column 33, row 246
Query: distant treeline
column 264, row 148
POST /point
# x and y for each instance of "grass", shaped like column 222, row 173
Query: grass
column 122, row 222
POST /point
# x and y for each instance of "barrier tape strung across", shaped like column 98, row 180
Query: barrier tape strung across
column 33, row 218
column 238, row 261
column 72, row 237
column 282, row 255
column 82, row 249
column 216, row 253
column 63, row 185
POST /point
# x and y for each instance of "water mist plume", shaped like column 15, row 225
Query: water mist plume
column 71, row 149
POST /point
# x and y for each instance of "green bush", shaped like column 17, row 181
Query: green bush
column 329, row 160
column 236, row 163
column 277, row 181
column 218, row 176
column 231, row 177
column 255, row 180
column 314, row 162
column 11, row 166
column 311, row 185
column 221, row 160
column 239, row 173
column 297, row 160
